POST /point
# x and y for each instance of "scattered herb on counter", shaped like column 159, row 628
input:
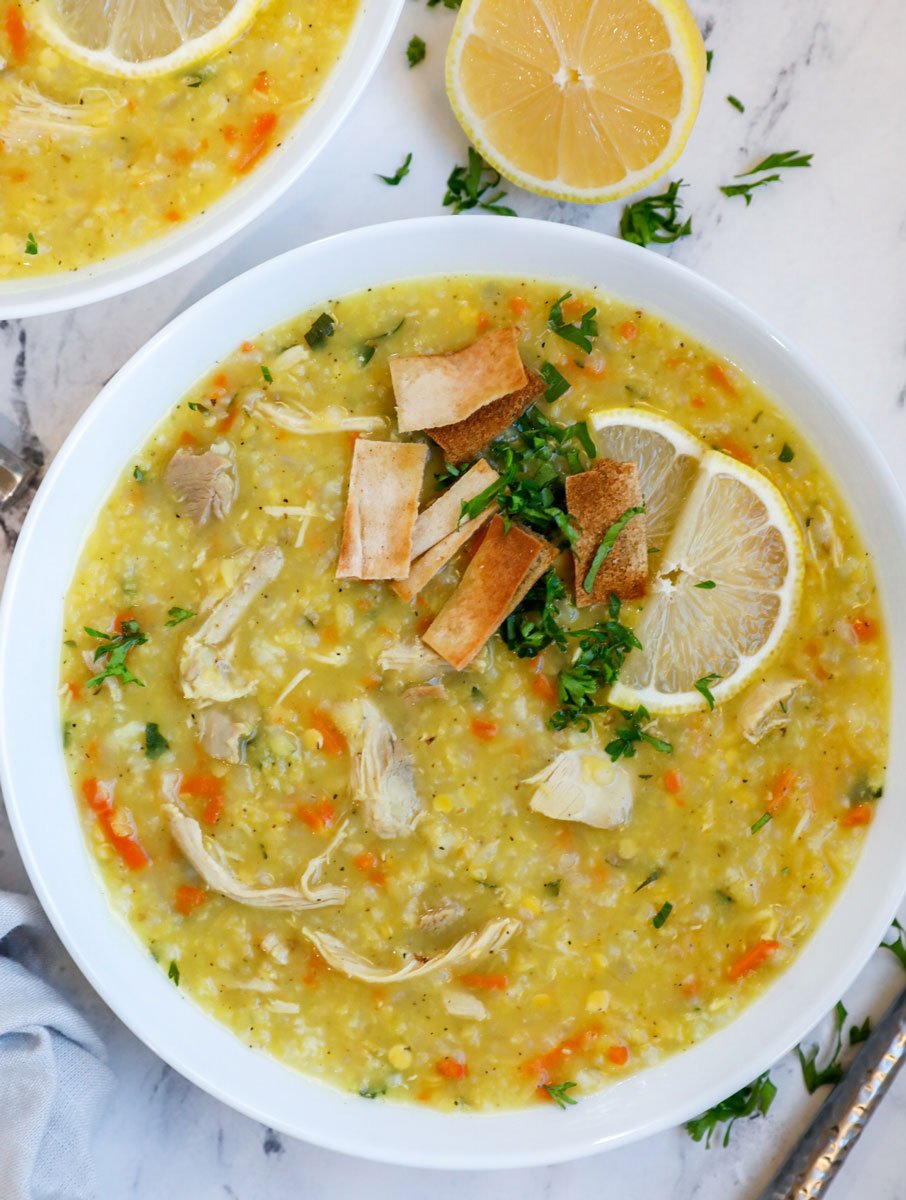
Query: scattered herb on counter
column 559, row 1093
column 652, row 878
column 860, row 1033
column 139, row 474
column 787, row 454
column 446, row 3
column 898, row 946
column 400, row 173
column 115, row 647
column 155, row 742
column 660, row 917
column 553, row 886
column 780, row 162
column 580, row 334
column 655, row 219
column 703, row 686
column 624, row 744
column 832, row 1071
column 745, row 189
column 602, row 650
column 709, row 59
column 753, row 1100
column 178, row 614
column 173, row 973
column 608, row 542
column 31, row 245
column 706, row 585
column 737, row 104
column 557, row 386
column 467, row 187
column 761, row 822
column 322, row 328
column 416, row 51
column 265, row 371
column 527, row 634
column 368, row 348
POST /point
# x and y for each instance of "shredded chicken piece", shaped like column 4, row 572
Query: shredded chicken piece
column 473, row 946
column 584, row 785
column 766, row 707
column 206, row 670
column 301, row 420
column 34, row 115
column 823, row 540
column 413, row 660
column 442, row 915
column 310, row 894
column 223, row 734
column 426, row 691
column 205, row 484
column 293, row 683
column 464, row 1004
column 382, row 774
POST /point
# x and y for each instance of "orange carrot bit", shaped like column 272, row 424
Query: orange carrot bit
column 333, row 742
column 182, row 155
column 628, row 331
column 673, row 782
column 98, row 796
column 483, row 324
column 16, row 32
column 544, row 687
column 717, row 375
column 737, row 450
column 519, row 305
column 697, row 402
column 369, row 864
column 187, row 438
column 119, row 829
column 206, row 787
column 226, row 423
column 861, row 814
column 753, row 958
column 319, row 816
column 488, row 983
column 75, row 690
column 780, row 789
column 315, row 970
column 256, row 141
column 864, row 629
column 247, row 347
column 91, row 750
column 230, row 133
column 188, row 898
column 542, row 1067
column 451, row 1068
column 221, row 380
column 213, row 810
column 486, row 730
column 371, row 682
column 261, row 82
column 618, row 1055
column 173, row 215
column 813, row 650
column 424, row 1095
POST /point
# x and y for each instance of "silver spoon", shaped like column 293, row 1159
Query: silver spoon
column 13, row 473
column 814, row 1162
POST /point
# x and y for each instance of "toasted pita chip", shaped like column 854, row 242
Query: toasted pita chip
column 492, row 585
column 467, row 438
column 424, row 569
column 442, row 517
column 381, row 509
column 441, row 389
column 596, row 499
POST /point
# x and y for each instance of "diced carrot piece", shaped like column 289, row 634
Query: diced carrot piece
column 673, row 782
column 187, row 438
column 618, row 1055
column 864, row 629
column 736, row 450
column 483, row 324
column 98, row 796
column 206, row 787
column 318, row 816
column 780, row 789
column 543, row 686
column 488, row 983
column 717, row 375
column 261, row 82
column 230, row 133
column 451, row 1068
column 518, row 305
column 256, row 141
column 542, row 1066
column 120, row 833
column 16, row 32
column 173, row 215
column 247, row 347
column 333, row 743
column 369, row 864
column 188, row 898
column 226, row 423
column 697, row 402
column 753, row 958
column 486, row 730
column 628, row 331
column 860, row 814
column 213, row 810
column 75, row 690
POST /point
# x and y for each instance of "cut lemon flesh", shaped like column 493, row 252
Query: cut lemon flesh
column 667, row 458
column 585, row 100
column 132, row 38
column 736, row 531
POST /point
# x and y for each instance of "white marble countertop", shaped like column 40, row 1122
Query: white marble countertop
column 822, row 255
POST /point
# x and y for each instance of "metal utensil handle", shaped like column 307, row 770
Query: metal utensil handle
column 812, row 1166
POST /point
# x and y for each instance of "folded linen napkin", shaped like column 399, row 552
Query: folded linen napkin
column 53, row 1077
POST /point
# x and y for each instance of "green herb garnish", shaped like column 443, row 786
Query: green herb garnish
column 415, row 51
column 196, row 407
column 446, row 3
column 706, row 585
column 898, row 945
column 703, row 686
column 173, row 973
column 655, row 219
column 787, row 454
column 115, row 647
column 602, row 650
column 368, row 347
column 607, row 544
column 761, row 822
column 753, row 1100
column 371, row 1092
column 660, row 917
column 779, row 162
column 178, row 614
column 745, row 189
column 709, row 59
column 860, row 1033
column 399, row 174
column 559, row 1093
column 652, row 878
column 196, row 78
column 31, row 246
column 322, row 328
column 527, row 634
column 265, row 371
column 138, row 474
column 557, row 386
column 627, row 738
column 155, row 742
column 737, row 104
column 832, row 1071
column 553, row 886
column 580, row 334
column 467, row 187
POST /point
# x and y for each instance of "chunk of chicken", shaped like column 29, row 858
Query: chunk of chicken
column 464, row 1004
column 766, row 707
column 205, row 484
column 584, row 785
column 442, row 915
column 223, row 734
column 207, row 673
column 382, row 774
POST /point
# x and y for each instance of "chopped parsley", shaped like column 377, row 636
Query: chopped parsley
column 655, row 219
column 139, row 474
column 553, row 886
column 580, row 334
column 753, row 1100
column 660, row 917
column 780, row 162
column 368, row 347
column 114, row 647
column 31, row 245
column 173, row 973
column 196, row 78
column 467, row 187
column 557, row 386
column 446, row 3
column 706, row 585
column 737, row 104
column 832, row 1071
column 322, row 328
column 416, row 51
column 265, row 371
column 155, row 742
column 761, row 822
column 196, row 407
column 898, row 945
column 745, row 189
column 703, row 686
column 650, row 878
column 860, row 1033
column 624, row 744
column 709, row 59
column 602, row 650
column 607, row 544
column 559, row 1093
column 787, row 454
column 533, row 624
column 400, row 173
column 370, row 1092
column 178, row 614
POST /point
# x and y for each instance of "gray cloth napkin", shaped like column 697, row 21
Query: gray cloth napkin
column 53, row 1077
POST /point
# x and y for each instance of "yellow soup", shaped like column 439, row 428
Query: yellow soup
column 624, row 944
column 92, row 165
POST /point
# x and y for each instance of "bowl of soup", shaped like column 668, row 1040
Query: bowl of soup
column 110, row 181
column 467, row 706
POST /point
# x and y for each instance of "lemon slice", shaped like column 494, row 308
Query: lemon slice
column 584, row 100
column 666, row 455
column 736, row 531
column 131, row 38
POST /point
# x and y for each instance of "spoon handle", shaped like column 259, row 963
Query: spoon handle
column 814, row 1162
column 13, row 473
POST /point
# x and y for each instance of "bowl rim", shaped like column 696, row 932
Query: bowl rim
column 195, row 1044
column 369, row 36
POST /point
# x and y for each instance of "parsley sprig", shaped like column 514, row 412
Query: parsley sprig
column 655, row 218
column 114, row 647
column 753, row 1100
column 832, row 1071
column 628, row 737
column 559, row 1093
column 533, row 624
column 399, row 174
column 467, row 187
column 898, row 946
column 602, row 650
column 774, row 162
column 416, row 51
column 580, row 334
column 608, row 542
column 703, row 687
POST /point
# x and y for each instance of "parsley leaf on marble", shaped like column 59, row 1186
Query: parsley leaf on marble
column 832, row 1071
column 779, row 162
column 898, row 946
column 467, row 187
column 737, row 104
column 745, row 189
column 416, row 51
column 753, row 1100
column 399, row 174
column 655, row 218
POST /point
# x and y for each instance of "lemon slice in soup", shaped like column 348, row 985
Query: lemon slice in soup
column 724, row 594
column 142, row 37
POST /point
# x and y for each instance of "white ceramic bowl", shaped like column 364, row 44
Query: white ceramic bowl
column 363, row 51
column 41, row 804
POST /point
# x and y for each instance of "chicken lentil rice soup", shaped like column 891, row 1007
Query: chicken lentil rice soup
column 133, row 150
column 474, row 692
